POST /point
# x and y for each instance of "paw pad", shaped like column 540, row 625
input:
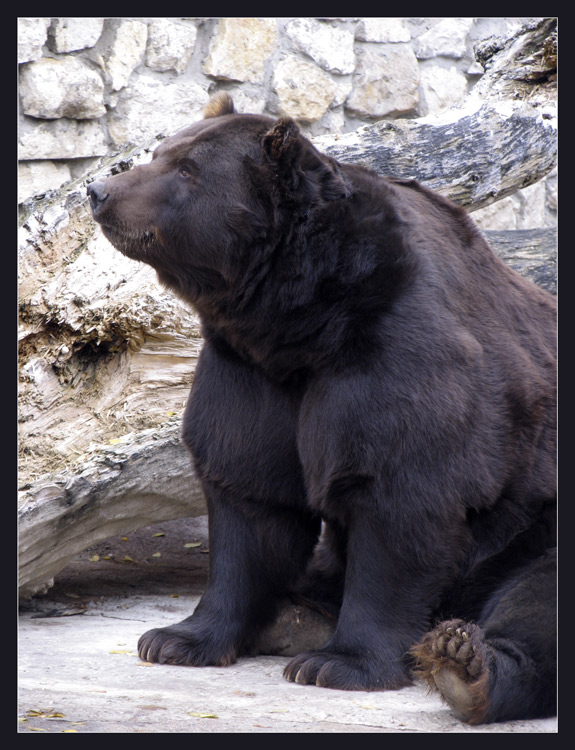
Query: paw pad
column 452, row 658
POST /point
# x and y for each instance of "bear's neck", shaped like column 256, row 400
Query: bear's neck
column 282, row 345
column 298, row 313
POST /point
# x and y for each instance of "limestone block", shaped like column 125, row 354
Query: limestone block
column 304, row 91
column 385, row 82
column 526, row 209
column 441, row 88
column 484, row 27
column 247, row 102
column 501, row 215
column 32, row 34
column 170, row 45
column 331, row 123
column 551, row 192
column 382, row 30
column 448, row 38
column 62, row 139
column 330, row 47
column 150, row 107
column 532, row 206
column 69, row 34
column 50, row 89
column 126, row 53
column 240, row 48
column 35, row 177
column 343, row 88
column 475, row 69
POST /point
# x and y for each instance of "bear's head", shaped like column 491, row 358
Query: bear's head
column 213, row 195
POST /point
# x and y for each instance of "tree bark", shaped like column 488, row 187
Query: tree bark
column 107, row 356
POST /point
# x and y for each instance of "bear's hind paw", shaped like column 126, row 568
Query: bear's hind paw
column 452, row 659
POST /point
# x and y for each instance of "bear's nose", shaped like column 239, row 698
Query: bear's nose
column 97, row 193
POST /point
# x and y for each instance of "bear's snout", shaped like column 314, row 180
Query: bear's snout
column 98, row 195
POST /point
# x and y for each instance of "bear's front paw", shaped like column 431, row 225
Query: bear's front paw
column 453, row 659
column 343, row 672
column 179, row 644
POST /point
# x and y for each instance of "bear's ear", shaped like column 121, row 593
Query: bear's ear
column 220, row 104
column 280, row 141
column 299, row 167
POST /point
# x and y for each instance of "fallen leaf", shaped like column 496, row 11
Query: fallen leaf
column 94, row 558
column 153, row 707
column 36, row 729
column 157, row 554
column 121, row 651
column 67, row 731
column 146, row 664
column 192, row 544
column 127, row 558
column 203, row 716
column 124, row 538
column 45, row 714
column 160, row 533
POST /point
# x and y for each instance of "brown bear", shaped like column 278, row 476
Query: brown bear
column 372, row 416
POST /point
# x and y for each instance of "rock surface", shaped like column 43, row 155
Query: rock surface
column 79, row 670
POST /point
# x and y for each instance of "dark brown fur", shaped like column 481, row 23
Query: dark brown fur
column 370, row 367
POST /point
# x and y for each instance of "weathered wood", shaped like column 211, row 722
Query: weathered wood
column 530, row 252
column 107, row 356
column 100, row 340
column 474, row 156
column 143, row 479
column 503, row 138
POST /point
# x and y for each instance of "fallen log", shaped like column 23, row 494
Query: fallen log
column 139, row 481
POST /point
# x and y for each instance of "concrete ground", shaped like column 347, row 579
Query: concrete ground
column 79, row 670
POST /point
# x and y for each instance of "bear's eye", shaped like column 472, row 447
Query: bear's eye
column 184, row 172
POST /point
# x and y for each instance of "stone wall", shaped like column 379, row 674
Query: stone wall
column 89, row 86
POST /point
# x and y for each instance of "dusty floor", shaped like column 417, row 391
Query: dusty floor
column 79, row 670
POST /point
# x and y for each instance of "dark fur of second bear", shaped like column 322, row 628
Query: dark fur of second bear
column 368, row 362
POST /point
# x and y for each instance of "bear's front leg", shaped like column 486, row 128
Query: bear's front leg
column 388, row 596
column 255, row 556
